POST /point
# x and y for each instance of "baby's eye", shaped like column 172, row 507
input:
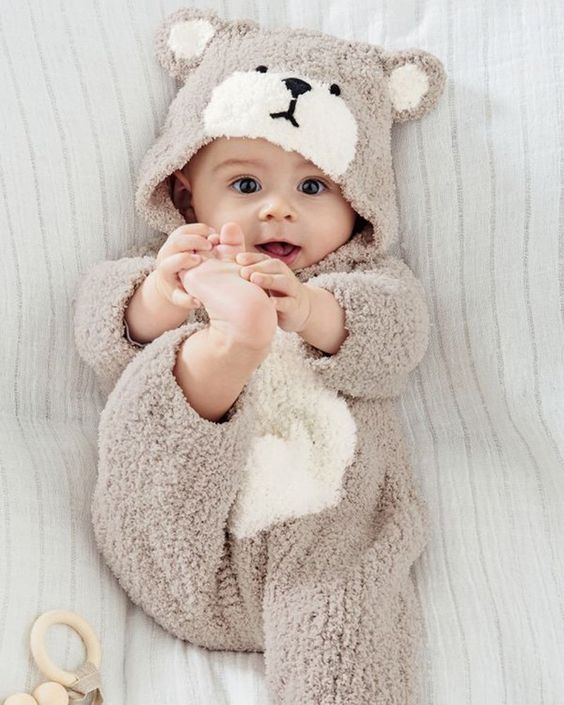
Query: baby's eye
column 245, row 180
column 246, row 188
column 313, row 181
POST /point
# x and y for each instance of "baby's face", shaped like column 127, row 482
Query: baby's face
column 279, row 196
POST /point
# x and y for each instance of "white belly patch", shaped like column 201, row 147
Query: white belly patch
column 303, row 441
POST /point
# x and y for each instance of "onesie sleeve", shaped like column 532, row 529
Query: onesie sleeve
column 167, row 478
column 387, row 320
column 101, row 297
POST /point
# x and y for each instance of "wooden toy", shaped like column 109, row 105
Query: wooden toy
column 64, row 685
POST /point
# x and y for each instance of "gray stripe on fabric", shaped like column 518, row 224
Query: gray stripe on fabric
column 434, row 298
column 65, row 380
column 555, row 22
column 119, row 98
column 143, row 61
column 523, row 109
column 124, row 662
column 89, row 439
column 468, row 345
column 44, row 253
column 6, row 552
column 421, row 569
column 74, row 513
column 493, row 297
column 16, row 300
column 81, row 378
column 30, row 442
column 90, row 112
column 152, row 664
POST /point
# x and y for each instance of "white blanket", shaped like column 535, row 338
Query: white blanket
column 480, row 184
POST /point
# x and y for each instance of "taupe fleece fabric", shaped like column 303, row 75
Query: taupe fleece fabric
column 291, row 527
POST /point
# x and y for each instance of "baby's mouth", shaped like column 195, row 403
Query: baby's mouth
column 281, row 250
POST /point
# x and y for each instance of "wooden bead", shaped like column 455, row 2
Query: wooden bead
column 51, row 693
column 20, row 699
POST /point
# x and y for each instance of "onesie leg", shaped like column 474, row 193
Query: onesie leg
column 342, row 642
column 341, row 621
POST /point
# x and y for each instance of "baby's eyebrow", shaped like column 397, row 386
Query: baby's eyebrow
column 231, row 162
column 259, row 162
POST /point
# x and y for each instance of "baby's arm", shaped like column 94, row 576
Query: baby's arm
column 325, row 328
column 99, row 304
column 388, row 324
column 148, row 315
column 123, row 305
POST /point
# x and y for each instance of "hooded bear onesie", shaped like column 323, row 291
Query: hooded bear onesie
column 290, row 526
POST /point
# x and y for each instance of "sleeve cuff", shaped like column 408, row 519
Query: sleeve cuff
column 128, row 336
column 387, row 325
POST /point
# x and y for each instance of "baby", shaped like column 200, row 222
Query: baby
column 253, row 491
column 258, row 197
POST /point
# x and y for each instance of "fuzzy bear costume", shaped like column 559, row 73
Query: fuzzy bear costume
column 289, row 527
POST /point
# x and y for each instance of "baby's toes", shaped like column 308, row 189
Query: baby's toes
column 231, row 241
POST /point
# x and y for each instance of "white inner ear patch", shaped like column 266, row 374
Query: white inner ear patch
column 303, row 442
column 188, row 39
column 327, row 133
column 407, row 84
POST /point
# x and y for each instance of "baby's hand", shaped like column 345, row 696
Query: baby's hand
column 184, row 248
column 289, row 295
column 239, row 312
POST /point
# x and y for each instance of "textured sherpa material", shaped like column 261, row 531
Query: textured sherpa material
column 332, row 100
column 291, row 526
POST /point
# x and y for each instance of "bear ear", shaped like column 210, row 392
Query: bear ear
column 415, row 81
column 183, row 37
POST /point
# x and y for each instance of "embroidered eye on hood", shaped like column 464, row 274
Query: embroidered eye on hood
column 332, row 100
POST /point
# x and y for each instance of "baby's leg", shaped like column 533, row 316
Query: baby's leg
column 342, row 642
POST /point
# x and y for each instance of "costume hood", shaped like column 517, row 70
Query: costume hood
column 330, row 99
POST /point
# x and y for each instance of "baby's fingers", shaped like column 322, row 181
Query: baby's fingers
column 170, row 271
column 250, row 257
column 172, row 264
column 182, row 241
column 274, row 282
column 185, row 300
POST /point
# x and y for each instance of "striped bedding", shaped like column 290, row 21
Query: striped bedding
column 481, row 198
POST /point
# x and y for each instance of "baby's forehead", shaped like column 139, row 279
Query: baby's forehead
column 230, row 150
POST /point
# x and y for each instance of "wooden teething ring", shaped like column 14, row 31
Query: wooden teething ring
column 37, row 642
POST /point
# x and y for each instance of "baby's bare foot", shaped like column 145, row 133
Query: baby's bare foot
column 238, row 310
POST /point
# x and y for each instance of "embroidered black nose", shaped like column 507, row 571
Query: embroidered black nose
column 296, row 86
